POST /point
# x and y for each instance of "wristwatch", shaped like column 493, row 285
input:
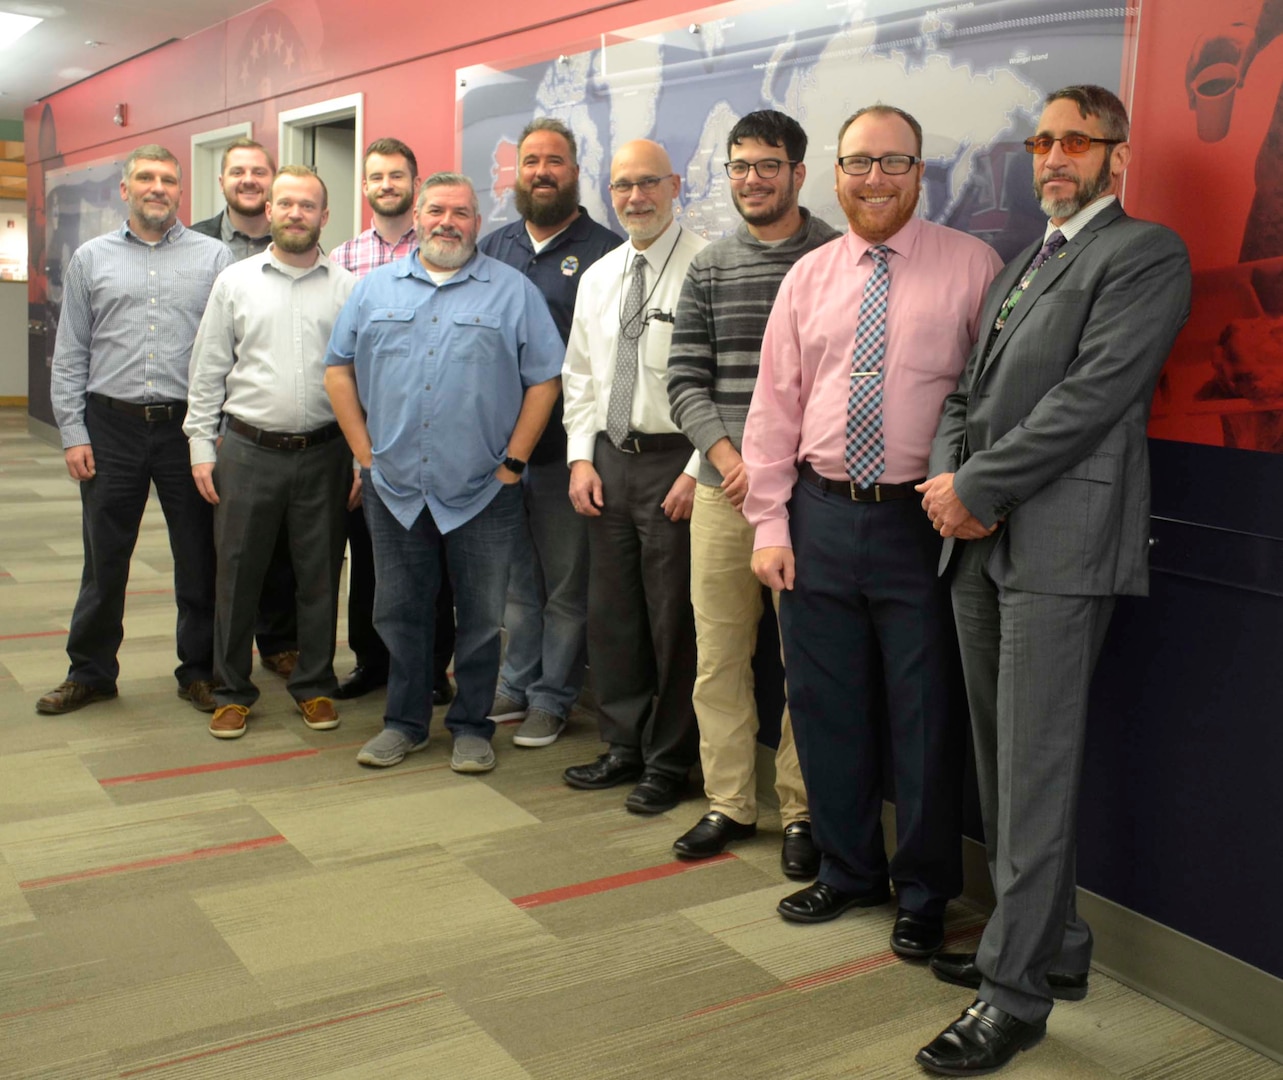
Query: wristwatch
column 514, row 465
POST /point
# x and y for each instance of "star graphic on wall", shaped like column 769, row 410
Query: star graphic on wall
column 253, row 50
column 280, row 40
column 289, row 57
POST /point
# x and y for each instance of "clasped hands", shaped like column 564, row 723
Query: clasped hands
column 949, row 517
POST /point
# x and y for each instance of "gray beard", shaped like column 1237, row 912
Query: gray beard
column 1087, row 193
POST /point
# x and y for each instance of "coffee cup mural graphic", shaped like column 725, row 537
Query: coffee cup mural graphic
column 1212, row 76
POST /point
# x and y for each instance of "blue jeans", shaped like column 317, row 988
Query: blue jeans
column 407, row 571
column 547, row 611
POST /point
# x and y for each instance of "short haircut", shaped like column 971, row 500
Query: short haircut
column 551, row 123
column 306, row 172
column 244, row 143
column 1098, row 102
column 150, row 152
column 391, row 148
column 774, row 129
column 883, row 110
column 446, row 179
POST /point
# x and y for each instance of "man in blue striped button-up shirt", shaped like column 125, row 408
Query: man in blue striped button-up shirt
column 133, row 300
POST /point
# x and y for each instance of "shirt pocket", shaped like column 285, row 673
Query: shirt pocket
column 476, row 337
column 391, row 329
column 658, row 343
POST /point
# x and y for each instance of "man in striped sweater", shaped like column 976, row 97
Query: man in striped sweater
column 721, row 317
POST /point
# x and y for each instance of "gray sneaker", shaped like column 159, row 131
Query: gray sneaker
column 505, row 708
column 388, row 747
column 472, row 754
column 539, row 728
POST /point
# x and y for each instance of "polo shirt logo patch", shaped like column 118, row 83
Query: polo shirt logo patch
column 569, row 265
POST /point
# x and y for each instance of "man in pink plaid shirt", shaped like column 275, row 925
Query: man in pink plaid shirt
column 391, row 184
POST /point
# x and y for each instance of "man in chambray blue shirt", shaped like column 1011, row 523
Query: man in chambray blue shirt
column 442, row 370
column 133, row 300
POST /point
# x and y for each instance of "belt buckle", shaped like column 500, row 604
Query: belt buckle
column 635, row 448
column 155, row 413
column 297, row 442
column 858, row 496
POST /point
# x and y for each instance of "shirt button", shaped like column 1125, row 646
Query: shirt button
column 153, row 299
column 434, row 318
column 152, row 272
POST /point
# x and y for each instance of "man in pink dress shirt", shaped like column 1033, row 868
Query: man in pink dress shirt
column 867, row 336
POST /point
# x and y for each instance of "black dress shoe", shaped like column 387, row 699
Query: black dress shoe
column 982, row 1039
column 360, row 682
column 710, row 836
column 821, row 902
column 607, row 771
column 960, row 969
column 655, row 793
column 442, row 692
column 799, row 857
column 916, row 936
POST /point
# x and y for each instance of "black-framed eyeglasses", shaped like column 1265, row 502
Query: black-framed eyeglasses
column 646, row 183
column 767, row 168
column 1072, row 144
column 891, row 164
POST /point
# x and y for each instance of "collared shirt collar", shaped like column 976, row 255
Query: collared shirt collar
column 1074, row 225
column 657, row 254
column 226, row 231
column 475, row 267
column 375, row 234
column 171, row 234
column 901, row 243
column 274, row 263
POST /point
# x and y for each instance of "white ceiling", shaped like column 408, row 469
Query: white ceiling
column 54, row 54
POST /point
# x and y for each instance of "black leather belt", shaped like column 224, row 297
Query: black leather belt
column 872, row 493
column 281, row 440
column 154, row 413
column 637, row 443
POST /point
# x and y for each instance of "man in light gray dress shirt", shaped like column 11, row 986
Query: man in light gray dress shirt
column 133, row 299
column 259, row 359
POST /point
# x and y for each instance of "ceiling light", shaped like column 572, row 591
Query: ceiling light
column 13, row 27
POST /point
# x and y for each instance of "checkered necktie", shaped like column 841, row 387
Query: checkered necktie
column 620, row 410
column 1054, row 243
column 864, row 451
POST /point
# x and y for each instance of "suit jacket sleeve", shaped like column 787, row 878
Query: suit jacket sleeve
column 1130, row 318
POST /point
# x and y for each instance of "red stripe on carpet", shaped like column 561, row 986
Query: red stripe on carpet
column 38, row 633
column 151, row 864
column 212, row 766
column 258, row 1040
column 616, row 881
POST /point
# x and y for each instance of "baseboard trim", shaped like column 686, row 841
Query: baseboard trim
column 12, row 402
column 1208, row 985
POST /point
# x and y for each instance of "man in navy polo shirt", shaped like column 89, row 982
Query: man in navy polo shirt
column 448, row 362
column 552, row 243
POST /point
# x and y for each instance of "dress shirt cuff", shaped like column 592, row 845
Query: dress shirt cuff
column 773, row 532
column 580, row 447
column 692, row 466
column 203, row 451
column 74, row 435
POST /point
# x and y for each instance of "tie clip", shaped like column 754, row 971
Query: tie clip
column 855, row 373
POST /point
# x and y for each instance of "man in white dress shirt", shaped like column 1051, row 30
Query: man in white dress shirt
column 259, row 358
column 632, row 474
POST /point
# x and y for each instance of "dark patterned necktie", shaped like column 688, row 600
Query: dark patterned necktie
column 1054, row 243
column 620, row 410
column 864, row 451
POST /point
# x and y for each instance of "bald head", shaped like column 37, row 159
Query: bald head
column 643, row 188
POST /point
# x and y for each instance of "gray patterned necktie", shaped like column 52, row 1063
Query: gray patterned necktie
column 619, row 412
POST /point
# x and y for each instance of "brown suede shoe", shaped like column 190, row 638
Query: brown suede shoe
column 319, row 713
column 283, row 663
column 228, row 721
column 200, row 692
column 69, row 696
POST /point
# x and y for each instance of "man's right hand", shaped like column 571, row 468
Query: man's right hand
column 80, row 461
column 585, row 489
column 774, row 567
column 203, row 474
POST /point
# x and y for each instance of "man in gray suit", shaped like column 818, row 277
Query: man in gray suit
column 1040, row 465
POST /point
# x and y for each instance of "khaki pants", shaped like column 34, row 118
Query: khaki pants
column 727, row 598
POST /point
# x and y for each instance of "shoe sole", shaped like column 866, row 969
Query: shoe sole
column 229, row 734
column 585, row 785
column 184, row 696
column 693, row 855
column 538, row 740
column 650, row 808
column 945, row 1070
column 1060, row 993
column 472, row 767
column 916, row 952
column 857, row 902
column 500, row 717
column 362, row 758
column 322, row 725
column 800, row 875
column 96, row 697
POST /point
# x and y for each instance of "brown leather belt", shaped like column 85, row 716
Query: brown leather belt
column 154, row 413
column 280, row 440
column 872, row 493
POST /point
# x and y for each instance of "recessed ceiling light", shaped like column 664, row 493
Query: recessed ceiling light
column 12, row 27
column 92, row 43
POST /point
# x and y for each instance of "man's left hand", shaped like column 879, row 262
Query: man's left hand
column 354, row 494
column 948, row 514
column 507, row 476
column 680, row 499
